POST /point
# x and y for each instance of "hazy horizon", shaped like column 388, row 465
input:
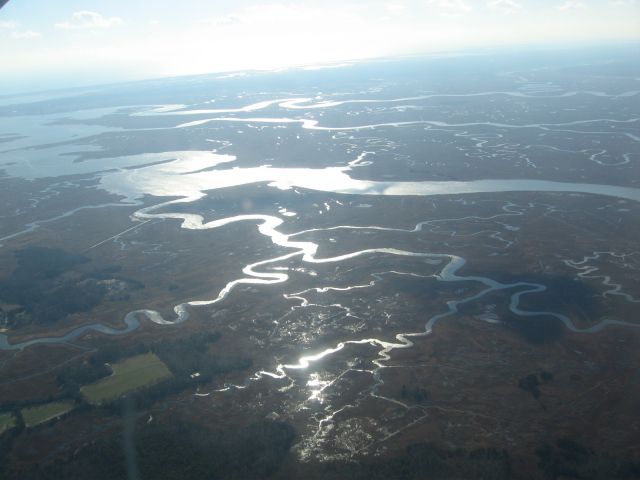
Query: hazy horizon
column 73, row 43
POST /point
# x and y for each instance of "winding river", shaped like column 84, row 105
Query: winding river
column 189, row 177
column 190, row 174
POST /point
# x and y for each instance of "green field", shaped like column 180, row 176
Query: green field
column 129, row 374
column 35, row 415
column 7, row 421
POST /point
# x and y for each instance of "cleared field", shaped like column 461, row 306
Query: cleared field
column 129, row 374
column 7, row 421
column 36, row 415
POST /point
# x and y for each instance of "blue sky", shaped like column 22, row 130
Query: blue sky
column 45, row 43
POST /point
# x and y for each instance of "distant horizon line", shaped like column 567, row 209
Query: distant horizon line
column 478, row 51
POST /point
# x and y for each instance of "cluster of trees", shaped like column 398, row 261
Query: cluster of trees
column 125, row 285
column 38, row 285
column 172, row 448
column 192, row 354
column 33, row 285
column 416, row 394
column 256, row 450
column 570, row 459
column 72, row 378
column 183, row 356
column 531, row 383
column 15, row 406
column 8, row 437
column 6, row 442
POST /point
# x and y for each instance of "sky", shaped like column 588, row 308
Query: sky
column 47, row 44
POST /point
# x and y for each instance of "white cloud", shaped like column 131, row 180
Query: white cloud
column 225, row 21
column 8, row 25
column 86, row 20
column 394, row 7
column 571, row 5
column 18, row 34
column 624, row 3
column 451, row 7
column 25, row 34
column 506, row 5
column 278, row 16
